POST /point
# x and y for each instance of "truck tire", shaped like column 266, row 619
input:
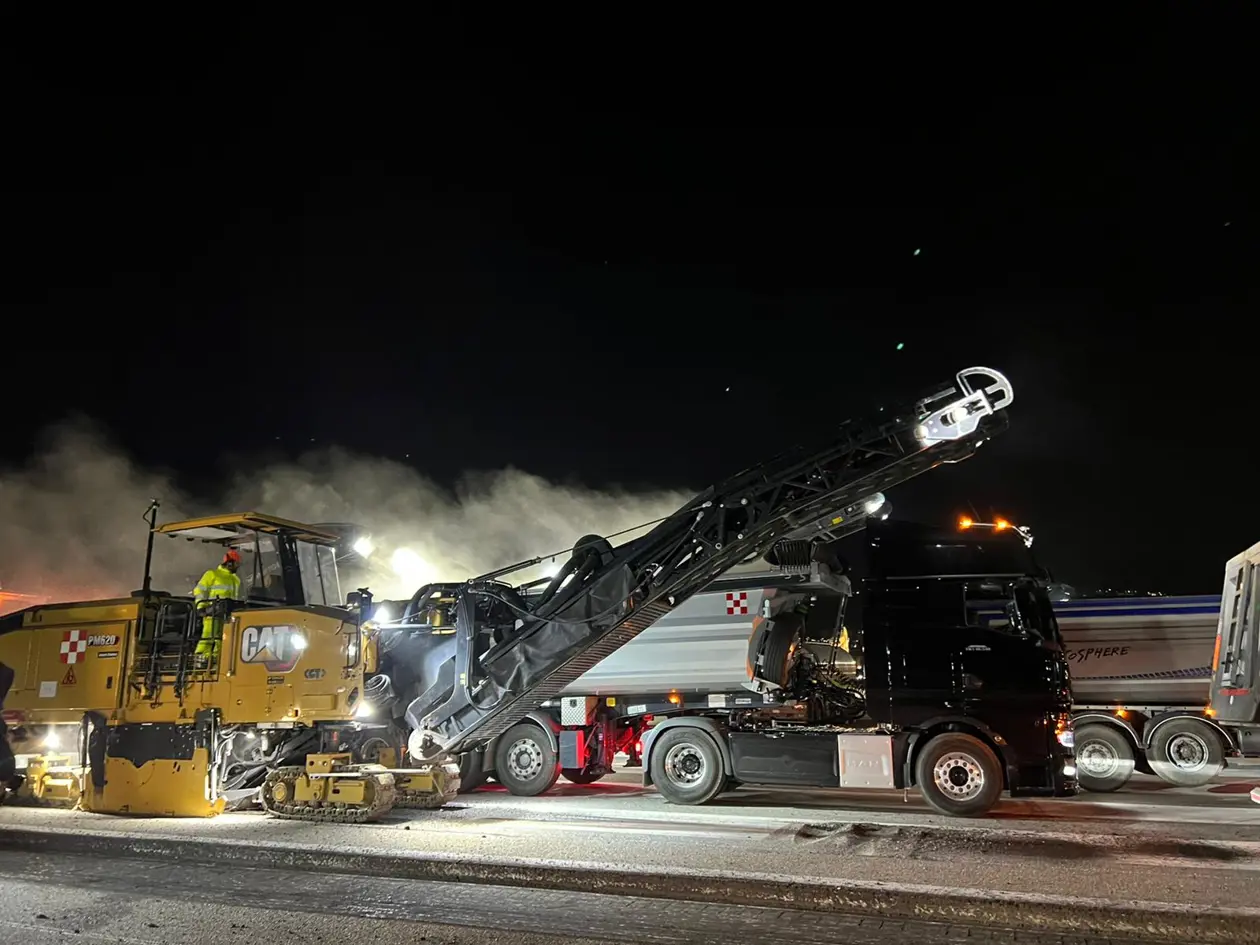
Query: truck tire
column 472, row 773
column 1186, row 752
column 958, row 775
column 524, row 762
column 686, row 766
column 578, row 776
column 782, row 633
column 1105, row 758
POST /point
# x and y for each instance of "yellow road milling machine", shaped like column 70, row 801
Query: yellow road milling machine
column 118, row 706
column 309, row 709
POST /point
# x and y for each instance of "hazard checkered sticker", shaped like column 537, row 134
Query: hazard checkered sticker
column 73, row 645
column 737, row 603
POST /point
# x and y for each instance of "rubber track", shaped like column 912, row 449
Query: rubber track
column 382, row 801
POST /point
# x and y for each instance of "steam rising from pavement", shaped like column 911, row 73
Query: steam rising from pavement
column 71, row 528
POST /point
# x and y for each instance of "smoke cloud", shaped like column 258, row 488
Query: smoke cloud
column 71, row 519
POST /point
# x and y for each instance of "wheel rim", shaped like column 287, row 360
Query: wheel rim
column 525, row 759
column 1187, row 751
column 1098, row 759
column 958, row 776
column 685, row 765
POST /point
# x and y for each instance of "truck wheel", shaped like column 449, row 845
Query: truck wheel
column 1186, row 752
column 472, row 774
column 958, row 775
column 1105, row 758
column 525, row 763
column 687, row 766
column 578, row 776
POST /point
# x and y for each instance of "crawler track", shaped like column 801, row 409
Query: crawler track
column 382, row 798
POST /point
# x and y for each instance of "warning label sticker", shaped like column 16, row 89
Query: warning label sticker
column 68, row 679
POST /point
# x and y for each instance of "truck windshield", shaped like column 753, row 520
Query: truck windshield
column 1037, row 611
column 1018, row 606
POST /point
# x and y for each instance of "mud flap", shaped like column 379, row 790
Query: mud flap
column 8, row 764
column 96, row 731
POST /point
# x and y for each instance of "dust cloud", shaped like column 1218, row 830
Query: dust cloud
column 71, row 523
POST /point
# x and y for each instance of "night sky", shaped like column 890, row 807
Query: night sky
column 650, row 265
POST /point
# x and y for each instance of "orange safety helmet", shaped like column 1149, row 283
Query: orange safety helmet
column 232, row 555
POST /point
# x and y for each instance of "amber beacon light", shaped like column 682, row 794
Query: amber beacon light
column 998, row 525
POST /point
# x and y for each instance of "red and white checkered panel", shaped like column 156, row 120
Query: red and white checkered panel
column 737, row 603
column 73, row 646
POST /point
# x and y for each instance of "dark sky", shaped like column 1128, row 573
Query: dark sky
column 454, row 241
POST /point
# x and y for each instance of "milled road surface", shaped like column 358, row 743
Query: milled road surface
column 1213, row 809
column 1150, row 842
column 56, row 899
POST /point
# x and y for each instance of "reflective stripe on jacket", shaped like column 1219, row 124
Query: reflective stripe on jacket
column 216, row 584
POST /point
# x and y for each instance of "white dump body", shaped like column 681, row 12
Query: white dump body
column 1151, row 651
column 1123, row 651
column 700, row 647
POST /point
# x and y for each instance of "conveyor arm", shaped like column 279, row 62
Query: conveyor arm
column 512, row 656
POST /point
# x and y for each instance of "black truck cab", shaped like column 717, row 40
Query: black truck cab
column 958, row 683
column 960, row 631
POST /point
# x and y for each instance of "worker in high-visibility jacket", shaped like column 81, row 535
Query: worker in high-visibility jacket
column 216, row 584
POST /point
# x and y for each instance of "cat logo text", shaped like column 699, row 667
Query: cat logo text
column 276, row 648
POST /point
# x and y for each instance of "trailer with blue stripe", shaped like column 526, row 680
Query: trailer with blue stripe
column 1140, row 670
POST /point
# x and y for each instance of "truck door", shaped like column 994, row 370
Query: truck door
column 999, row 652
column 1234, row 695
column 910, row 648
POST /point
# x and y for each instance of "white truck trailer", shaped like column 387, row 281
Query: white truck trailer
column 1141, row 670
column 1141, row 674
column 1235, row 687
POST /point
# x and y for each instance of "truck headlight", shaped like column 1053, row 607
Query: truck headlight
column 1063, row 730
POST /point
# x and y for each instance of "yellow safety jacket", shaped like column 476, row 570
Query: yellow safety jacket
column 216, row 584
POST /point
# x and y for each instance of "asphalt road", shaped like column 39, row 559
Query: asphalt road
column 1213, row 810
column 49, row 900
column 1149, row 843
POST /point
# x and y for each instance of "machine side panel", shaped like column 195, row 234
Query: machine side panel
column 66, row 660
column 288, row 665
